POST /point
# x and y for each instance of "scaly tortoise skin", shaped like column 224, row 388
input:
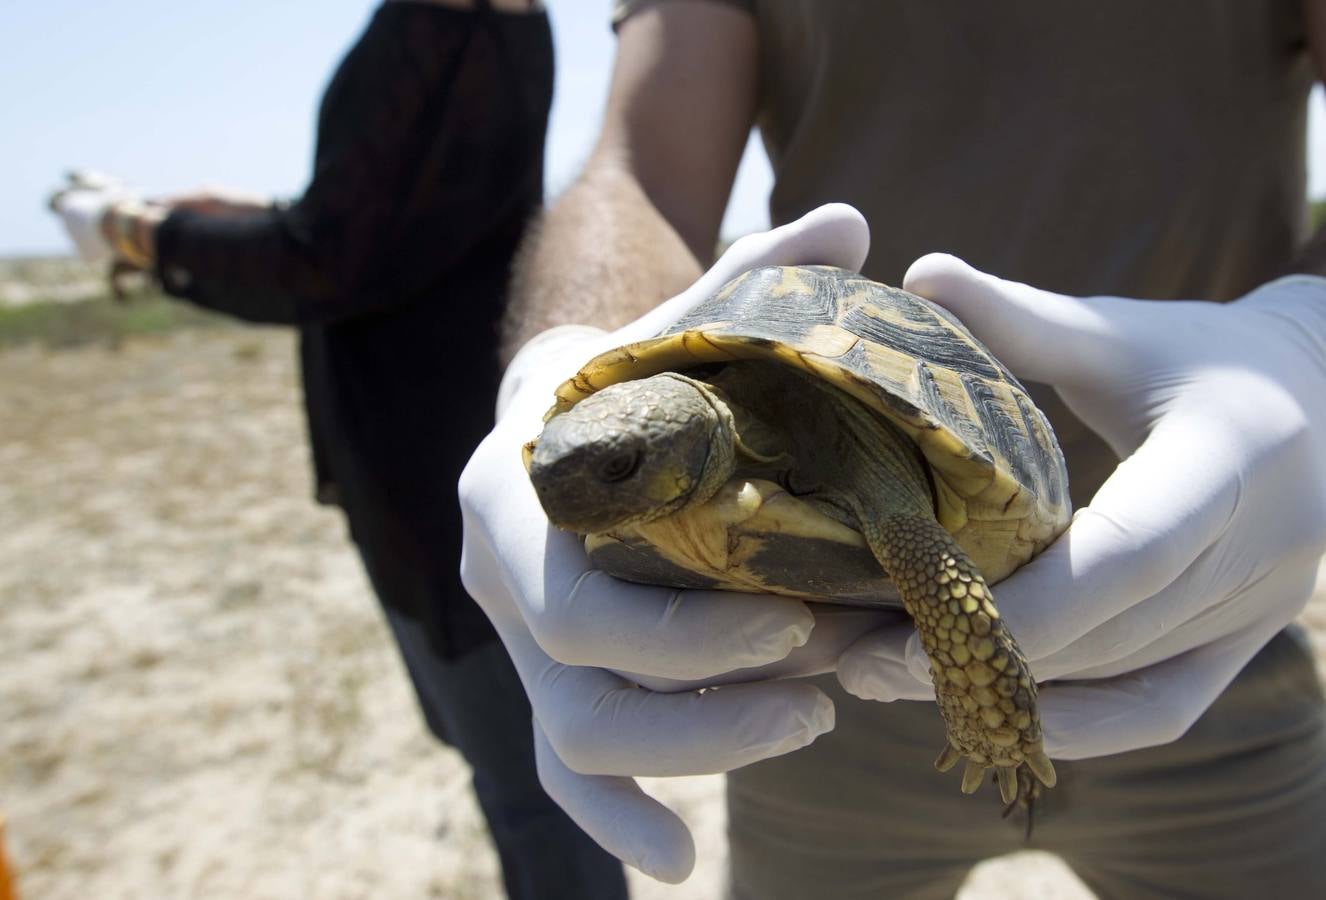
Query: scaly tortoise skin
column 809, row 432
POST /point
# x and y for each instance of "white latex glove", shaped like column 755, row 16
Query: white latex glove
column 81, row 205
column 570, row 630
column 1203, row 543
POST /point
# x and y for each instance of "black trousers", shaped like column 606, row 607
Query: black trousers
column 476, row 704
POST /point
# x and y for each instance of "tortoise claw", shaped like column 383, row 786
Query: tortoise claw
column 1025, row 795
column 972, row 777
column 1041, row 766
column 948, row 758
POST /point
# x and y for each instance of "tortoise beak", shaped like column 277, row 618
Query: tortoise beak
column 569, row 492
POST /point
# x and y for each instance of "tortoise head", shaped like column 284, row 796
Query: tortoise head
column 633, row 452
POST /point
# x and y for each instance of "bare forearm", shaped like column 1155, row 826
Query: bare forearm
column 602, row 255
column 643, row 218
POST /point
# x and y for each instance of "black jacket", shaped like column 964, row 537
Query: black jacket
column 394, row 266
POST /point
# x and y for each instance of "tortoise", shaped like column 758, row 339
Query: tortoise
column 809, row 432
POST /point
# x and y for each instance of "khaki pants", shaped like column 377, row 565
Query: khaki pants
column 1236, row 808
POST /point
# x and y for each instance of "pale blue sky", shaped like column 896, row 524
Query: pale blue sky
column 171, row 94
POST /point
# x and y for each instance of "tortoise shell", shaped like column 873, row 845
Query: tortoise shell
column 998, row 476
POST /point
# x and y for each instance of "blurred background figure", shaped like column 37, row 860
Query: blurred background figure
column 393, row 266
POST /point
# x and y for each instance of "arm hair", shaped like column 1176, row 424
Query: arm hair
column 642, row 219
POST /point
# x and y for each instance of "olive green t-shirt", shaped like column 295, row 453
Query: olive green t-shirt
column 1132, row 147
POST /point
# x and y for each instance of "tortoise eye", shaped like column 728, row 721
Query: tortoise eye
column 619, row 466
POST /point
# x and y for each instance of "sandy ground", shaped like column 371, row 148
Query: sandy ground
column 198, row 697
column 45, row 279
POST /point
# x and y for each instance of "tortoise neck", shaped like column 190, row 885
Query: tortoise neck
column 721, row 462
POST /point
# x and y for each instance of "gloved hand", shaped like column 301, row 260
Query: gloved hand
column 82, row 204
column 1202, row 544
column 571, row 630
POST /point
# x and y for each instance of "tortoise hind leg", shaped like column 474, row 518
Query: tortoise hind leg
column 985, row 690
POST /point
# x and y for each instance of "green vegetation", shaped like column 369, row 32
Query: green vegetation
column 61, row 302
column 98, row 320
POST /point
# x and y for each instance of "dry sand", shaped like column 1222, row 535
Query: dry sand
column 199, row 696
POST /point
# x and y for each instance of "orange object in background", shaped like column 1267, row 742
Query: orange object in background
column 7, row 891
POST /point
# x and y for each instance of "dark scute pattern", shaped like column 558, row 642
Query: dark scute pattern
column 896, row 394
column 955, row 420
column 924, row 334
column 763, row 309
column 1052, row 486
column 1003, row 431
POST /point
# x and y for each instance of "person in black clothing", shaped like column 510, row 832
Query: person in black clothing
column 393, row 266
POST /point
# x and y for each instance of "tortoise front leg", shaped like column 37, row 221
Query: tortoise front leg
column 985, row 689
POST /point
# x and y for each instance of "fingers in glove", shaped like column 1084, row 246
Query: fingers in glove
column 1149, row 522
column 1040, row 335
column 1147, row 634
column 890, row 664
column 601, row 724
column 836, row 629
column 600, row 730
column 887, row 665
column 581, row 616
column 1146, row 707
column 602, row 621
column 624, row 820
